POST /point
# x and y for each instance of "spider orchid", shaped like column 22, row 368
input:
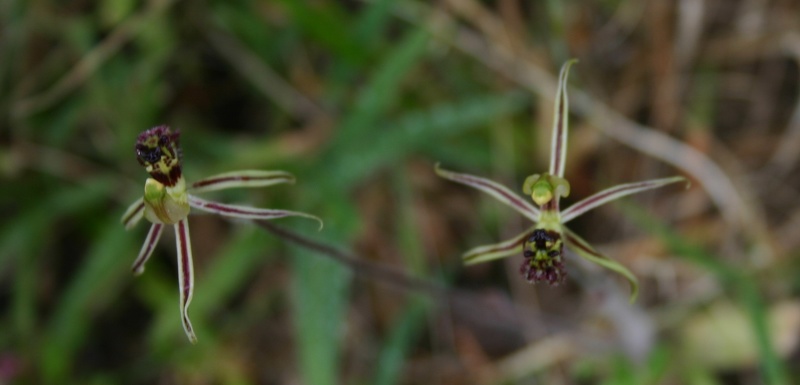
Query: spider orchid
column 542, row 245
column 167, row 201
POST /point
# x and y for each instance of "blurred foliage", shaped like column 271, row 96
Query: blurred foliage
column 359, row 99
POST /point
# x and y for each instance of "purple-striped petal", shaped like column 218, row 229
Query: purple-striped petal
column 496, row 190
column 614, row 193
column 185, row 275
column 585, row 250
column 245, row 212
column 243, row 179
column 147, row 249
column 498, row 250
column 133, row 214
column 558, row 146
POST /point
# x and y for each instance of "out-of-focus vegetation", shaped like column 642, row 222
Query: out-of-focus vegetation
column 359, row 99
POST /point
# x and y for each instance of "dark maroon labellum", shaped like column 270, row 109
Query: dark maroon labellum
column 543, row 251
column 158, row 150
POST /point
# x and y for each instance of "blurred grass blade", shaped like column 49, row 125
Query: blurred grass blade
column 95, row 284
column 412, row 131
column 325, row 22
column 369, row 28
column 383, row 89
column 319, row 290
column 403, row 334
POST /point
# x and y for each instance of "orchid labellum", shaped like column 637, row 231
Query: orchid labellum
column 167, row 201
column 542, row 245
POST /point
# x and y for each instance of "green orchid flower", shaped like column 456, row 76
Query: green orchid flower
column 167, row 201
column 542, row 245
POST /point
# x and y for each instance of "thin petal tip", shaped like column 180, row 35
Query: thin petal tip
column 568, row 64
column 469, row 260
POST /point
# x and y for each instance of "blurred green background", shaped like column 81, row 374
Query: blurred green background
column 359, row 99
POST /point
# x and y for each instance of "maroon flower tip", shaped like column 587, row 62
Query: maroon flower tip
column 158, row 151
column 158, row 132
column 543, row 252
column 536, row 271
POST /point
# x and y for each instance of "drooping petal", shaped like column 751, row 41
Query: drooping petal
column 243, row 179
column 494, row 189
column 585, row 250
column 147, row 249
column 133, row 214
column 498, row 250
column 185, row 275
column 245, row 212
column 614, row 193
column 558, row 145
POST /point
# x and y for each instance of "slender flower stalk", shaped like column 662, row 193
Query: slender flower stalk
column 167, row 201
column 542, row 245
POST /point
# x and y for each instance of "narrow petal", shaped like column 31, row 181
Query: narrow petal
column 496, row 190
column 614, row 193
column 498, row 250
column 147, row 249
column 558, row 146
column 243, row 178
column 185, row 275
column 585, row 250
column 245, row 212
column 133, row 214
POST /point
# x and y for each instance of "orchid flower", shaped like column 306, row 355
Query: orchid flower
column 542, row 245
column 167, row 201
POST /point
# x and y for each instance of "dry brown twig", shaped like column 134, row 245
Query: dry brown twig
column 463, row 303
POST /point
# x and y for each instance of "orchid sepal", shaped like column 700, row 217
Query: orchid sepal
column 613, row 193
column 241, row 179
column 185, row 275
column 558, row 144
column 498, row 250
column 246, row 212
column 147, row 248
column 498, row 191
column 585, row 250
column 133, row 214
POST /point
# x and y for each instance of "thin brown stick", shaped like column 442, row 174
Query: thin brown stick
column 467, row 306
column 363, row 268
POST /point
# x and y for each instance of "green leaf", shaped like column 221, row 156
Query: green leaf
column 319, row 295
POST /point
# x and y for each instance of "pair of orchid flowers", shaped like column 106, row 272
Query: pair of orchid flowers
column 167, row 200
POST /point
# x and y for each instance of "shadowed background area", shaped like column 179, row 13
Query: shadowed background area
column 359, row 100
